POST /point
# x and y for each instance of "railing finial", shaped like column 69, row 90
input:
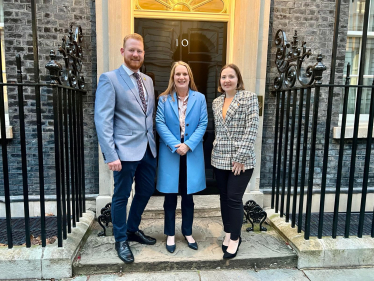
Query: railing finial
column 54, row 69
column 318, row 69
column 72, row 52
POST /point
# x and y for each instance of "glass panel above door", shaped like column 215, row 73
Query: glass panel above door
column 202, row 6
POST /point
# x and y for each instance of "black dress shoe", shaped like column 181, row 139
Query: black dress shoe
column 139, row 236
column 170, row 248
column 193, row 246
column 228, row 255
column 224, row 248
column 124, row 252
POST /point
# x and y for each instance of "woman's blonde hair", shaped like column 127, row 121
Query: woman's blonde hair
column 171, row 87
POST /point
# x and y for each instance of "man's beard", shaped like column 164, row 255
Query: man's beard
column 133, row 64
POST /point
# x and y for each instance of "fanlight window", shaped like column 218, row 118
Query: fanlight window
column 202, row 6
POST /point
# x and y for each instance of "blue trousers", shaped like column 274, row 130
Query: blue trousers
column 144, row 172
column 170, row 204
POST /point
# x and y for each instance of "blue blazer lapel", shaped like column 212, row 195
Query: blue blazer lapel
column 174, row 104
column 191, row 101
column 126, row 78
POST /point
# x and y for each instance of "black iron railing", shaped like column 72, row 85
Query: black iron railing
column 298, row 131
column 67, row 87
column 286, row 175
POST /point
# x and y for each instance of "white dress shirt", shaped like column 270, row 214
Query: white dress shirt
column 133, row 79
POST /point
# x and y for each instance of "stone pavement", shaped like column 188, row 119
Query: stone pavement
column 258, row 250
column 360, row 274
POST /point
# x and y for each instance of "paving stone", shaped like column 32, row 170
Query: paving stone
column 362, row 274
column 150, row 276
column 260, row 249
column 251, row 275
column 78, row 278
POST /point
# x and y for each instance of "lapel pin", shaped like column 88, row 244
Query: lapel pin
column 144, row 78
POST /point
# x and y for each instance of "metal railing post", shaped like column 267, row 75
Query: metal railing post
column 285, row 153
column 280, row 151
column 297, row 158
column 291, row 156
column 311, row 163
column 341, row 154
column 4, row 152
column 277, row 93
column 303, row 160
column 367, row 166
column 21, row 116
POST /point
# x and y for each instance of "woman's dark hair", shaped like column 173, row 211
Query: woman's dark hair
column 240, row 85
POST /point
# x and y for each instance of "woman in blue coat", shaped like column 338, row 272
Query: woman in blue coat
column 181, row 121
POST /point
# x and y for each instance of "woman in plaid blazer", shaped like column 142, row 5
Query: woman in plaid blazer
column 233, row 157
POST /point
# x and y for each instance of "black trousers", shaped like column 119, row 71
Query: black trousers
column 170, row 204
column 232, row 189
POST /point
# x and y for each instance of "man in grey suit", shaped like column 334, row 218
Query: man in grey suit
column 124, row 110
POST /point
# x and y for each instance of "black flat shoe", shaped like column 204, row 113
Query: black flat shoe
column 140, row 237
column 124, row 252
column 193, row 246
column 228, row 255
column 170, row 248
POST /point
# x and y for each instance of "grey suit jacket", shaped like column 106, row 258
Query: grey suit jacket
column 123, row 128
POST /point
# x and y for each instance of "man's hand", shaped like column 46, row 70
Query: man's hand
column 182, row 149
column 237, row 168
column 115, row 165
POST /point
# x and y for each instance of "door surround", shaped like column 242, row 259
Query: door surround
column 248, row 31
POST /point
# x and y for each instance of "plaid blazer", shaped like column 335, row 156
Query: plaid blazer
column 236, row 134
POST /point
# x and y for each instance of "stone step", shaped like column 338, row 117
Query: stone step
column 206, row 206
column 258, row 249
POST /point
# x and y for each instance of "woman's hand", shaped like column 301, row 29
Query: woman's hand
column 182, row 149
column 237, row 168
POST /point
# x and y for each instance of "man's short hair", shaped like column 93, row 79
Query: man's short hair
column 135, row 36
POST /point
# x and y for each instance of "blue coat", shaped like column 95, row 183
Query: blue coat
column 167, row 126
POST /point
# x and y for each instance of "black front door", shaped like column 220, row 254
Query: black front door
column 203, row 46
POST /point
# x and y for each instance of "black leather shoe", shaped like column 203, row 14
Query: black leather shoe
column 124, row 252
column 139, row 236
column 170, row 248
column 224, row 248
column 193, row 246
column 228, row 255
